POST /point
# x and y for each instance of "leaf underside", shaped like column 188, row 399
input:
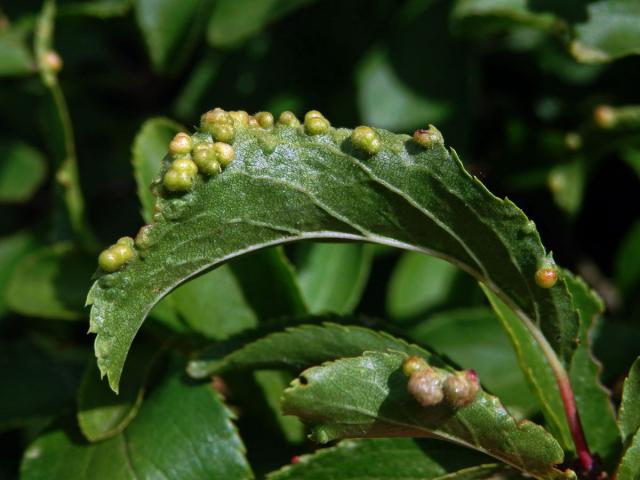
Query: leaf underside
column 286, row 186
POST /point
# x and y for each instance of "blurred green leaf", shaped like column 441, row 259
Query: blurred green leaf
column 12, row 250
column 51, row 283
column 629, row 414
column 183, row 431
column 233, row 21
column 15, row 57
column 627, row 261
column 418, row 283
column 272, row 383
column 385, row 101
column 612, row 31
column 22, row 171
column 487, row 16
column 536, row 370
column 149, row 148
column 593, row 399
column 392, row 458
column 36, row 382
column 631, row 155
column 96, row 8
column 332, row 276
column 367, row 396
column 473, row 338
column 567, row 183
column 300, row 347
column 169, row 28
column 103, row 414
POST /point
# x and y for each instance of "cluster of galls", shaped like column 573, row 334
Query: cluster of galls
column 114, row 257
column 430, row 386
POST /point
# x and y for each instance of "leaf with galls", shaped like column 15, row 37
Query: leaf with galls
column 295, row 182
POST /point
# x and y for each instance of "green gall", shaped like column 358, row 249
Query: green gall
column 604, row 116
column 223, row 132
column 143, row 237
column 414, row 364
column 288, row 118
column 205, row 157
column 461, row 388
column 180, row 144
column 265, row 119
column 176, row 181
column 216, row 116
column 426, row 387
column 428, row 138
column 312, row 114
column 253, row 122
column 316, row 125
column 546, row 277
column 184, row 165
column 123, row 252
column 128, row 241
column 109, row 261
column 240, row 118
column 529, row 227
column 573, row 141
column 224, row 153
column 366, row 139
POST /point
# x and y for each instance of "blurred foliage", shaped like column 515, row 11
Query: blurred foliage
column 91, row 91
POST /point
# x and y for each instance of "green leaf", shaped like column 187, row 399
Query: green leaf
column 332, row 276
column 272, row 383
column 102, row 413
column 198, row 442
column 474, row 338
column 396, row 458
column 149, row 147
column 593, row 399
column 214, row 304
column 612, row 31
column 287, row 186
column 536, row 369
column 629, row 414
column 12, row 251
column 367, row 397
column 233, row 21
column 169, row 28
column 566, row 183
column 303, row 346
column 22, row 171
column 417, row 284
column 97, row 8
column 486, row 16
column 51, row 283
column 36, row 383
column 627, row 261
column 629, row 467
column 15, row 58
column 387, row 102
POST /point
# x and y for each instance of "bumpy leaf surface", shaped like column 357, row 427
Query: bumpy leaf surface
column 286, row 186
column 367, row 396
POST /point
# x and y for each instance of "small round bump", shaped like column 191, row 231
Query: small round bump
column 205, row 157
column 223, row 132
column 288, row 118
column 426, row 387
column 573, row 141
column 265, row 119
column 122, row 252
column 546, row 277
column 224, row 153
column 366, row 139
column 53, row 61
column 312, row 114
column 180, row 144
column 240, row 117
column 414, row 364
column 604, row 116
column 428, row 138
column 177, row 181
column 185, row 165
column 217, row 115
column 109, row 261
column 253, row 122
column 143, row 237
column 461, row 388
column 316, row 125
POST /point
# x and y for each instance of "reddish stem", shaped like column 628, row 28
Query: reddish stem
column 575, row 426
